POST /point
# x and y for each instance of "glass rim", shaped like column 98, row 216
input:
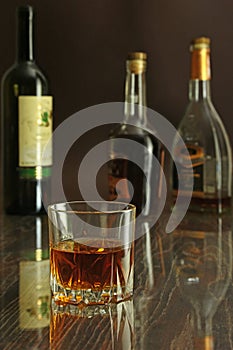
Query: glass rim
column 128, row 207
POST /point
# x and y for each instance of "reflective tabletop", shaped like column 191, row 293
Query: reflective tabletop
column 183, row 297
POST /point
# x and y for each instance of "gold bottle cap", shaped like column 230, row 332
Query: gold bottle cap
column 136, row 62
column 200, row 61
column 137, row 56
column 200, row 43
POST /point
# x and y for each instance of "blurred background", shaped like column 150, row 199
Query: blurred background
column 82, row 47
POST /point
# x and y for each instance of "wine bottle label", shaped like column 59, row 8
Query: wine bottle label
column 34, row 294
column 35, row 130
column 197, row 158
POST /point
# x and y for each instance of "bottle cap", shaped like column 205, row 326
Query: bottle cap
column 136, row 62
column 200, row 59
column 137, row 56
column 200, row 43
column 25, row 8
column 25, row 11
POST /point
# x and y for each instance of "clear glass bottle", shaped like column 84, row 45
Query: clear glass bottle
column 206, row 139
column 121, row 166
column 26, row 125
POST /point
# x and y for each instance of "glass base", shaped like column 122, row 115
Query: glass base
column 89, row 310
column 86, row 297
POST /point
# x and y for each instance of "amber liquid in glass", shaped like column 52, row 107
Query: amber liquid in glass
column 91, row 265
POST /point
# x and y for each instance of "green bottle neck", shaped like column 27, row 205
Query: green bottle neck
column 25, row 34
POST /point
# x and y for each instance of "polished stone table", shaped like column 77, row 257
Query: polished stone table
column 183, row 292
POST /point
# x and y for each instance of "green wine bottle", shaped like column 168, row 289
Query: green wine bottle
column 26, row 126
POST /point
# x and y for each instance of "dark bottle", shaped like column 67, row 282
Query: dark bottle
column 26, row 125
column 122, row 168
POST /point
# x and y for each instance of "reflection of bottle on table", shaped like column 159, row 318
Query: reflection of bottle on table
column 34, row 290
column 150, row 265
column 202, row 247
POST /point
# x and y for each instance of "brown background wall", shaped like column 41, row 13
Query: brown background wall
column 82, row 46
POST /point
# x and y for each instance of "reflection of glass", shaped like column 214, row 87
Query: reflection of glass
column 203, row 250
column 96, row 328
column 34, row 291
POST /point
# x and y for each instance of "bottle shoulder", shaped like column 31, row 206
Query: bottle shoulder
column 128, row 130
column 198, row 106
column 200, row 114
column 22, row 72
column 137, row 134
column 202, row 125
column 123, row 129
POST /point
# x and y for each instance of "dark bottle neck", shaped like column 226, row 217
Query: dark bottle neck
column 25, row 34
column 135, row 97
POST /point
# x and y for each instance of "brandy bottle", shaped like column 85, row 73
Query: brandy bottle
column 206, row 139
column 129, row 182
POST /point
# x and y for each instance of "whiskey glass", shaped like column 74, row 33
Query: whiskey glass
column 91, row 252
